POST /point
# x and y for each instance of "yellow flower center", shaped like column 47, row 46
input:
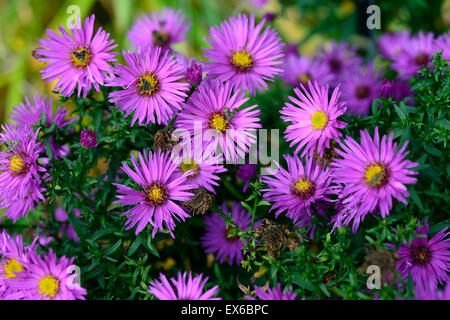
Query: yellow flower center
column 148, row 84
column 48, row 286
column 303, row 185
column 242, row 60
column 81, row 57
column 376, row 175
column 319, row 120
column 12, row 266
column 189, row 164
column 156, row 194
column 17, row 164
column 218, row 122
column 303, row 78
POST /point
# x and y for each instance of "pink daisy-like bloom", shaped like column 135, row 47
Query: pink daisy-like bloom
column 20, row 184
column 242, row 55
column 150, row 85
column 181, row 288
column 314, row 118
column 213, row 116
column 12, row 255
column 153, row 202
column 28, row 114
column 339, row 57
column 218, row 240
column 371, row 174
column 393, row 44
column 360, row 86
column 294, row 190
column 417, row 54
column 273, row 293
column 301, row 69
column 202, row 167
column 49, row 278
column 159, row 29
column 77, row 58
column 443, row 42
column 428, row 261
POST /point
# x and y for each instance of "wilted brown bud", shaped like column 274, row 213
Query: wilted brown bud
column 276, row 237
column 328, row 155
column 385, row 260
column 164, row 140
column 200, row 202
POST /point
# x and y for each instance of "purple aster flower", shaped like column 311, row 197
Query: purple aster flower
column 428, row 261
column 443, row 42
column 246, row 172
column 200, row 166
column 66, row 227
column 396, row 89
column 149, row 86
column 20, row 184
column 181, row 288
column 432, row 294
column 393, row 44
column 28, row 114
column 339, row 57
column 49, row 279
column 218, row 240
column 77, row 58
column 371, row 172
column 159, row 29
column 314, row 118
column 273, row 294
column 294, row 190
column 360, row 86
column 88, row 139
column 13, row 254
column 301, row 69
column 194, row 73
column 242, row 55
column 213, row 116
column 416, row 55
column 158, row 188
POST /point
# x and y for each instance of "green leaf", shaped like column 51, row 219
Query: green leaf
column 134, row 246
column 151, row 247
column 111, row 250
column 246, row 206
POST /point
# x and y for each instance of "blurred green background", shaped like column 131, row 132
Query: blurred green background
column 305, row 22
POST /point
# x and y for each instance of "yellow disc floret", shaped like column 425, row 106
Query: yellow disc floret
column 219, row 122
column 242, row 60
column 189, row 164
column 12, row 266
column 48, row 286
column 319, row 120
column 17, row 164
column 376, row 175
column 303, row 185
column 303, row 78
column 148, row 84
column 156, row 194
column 81, row 57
